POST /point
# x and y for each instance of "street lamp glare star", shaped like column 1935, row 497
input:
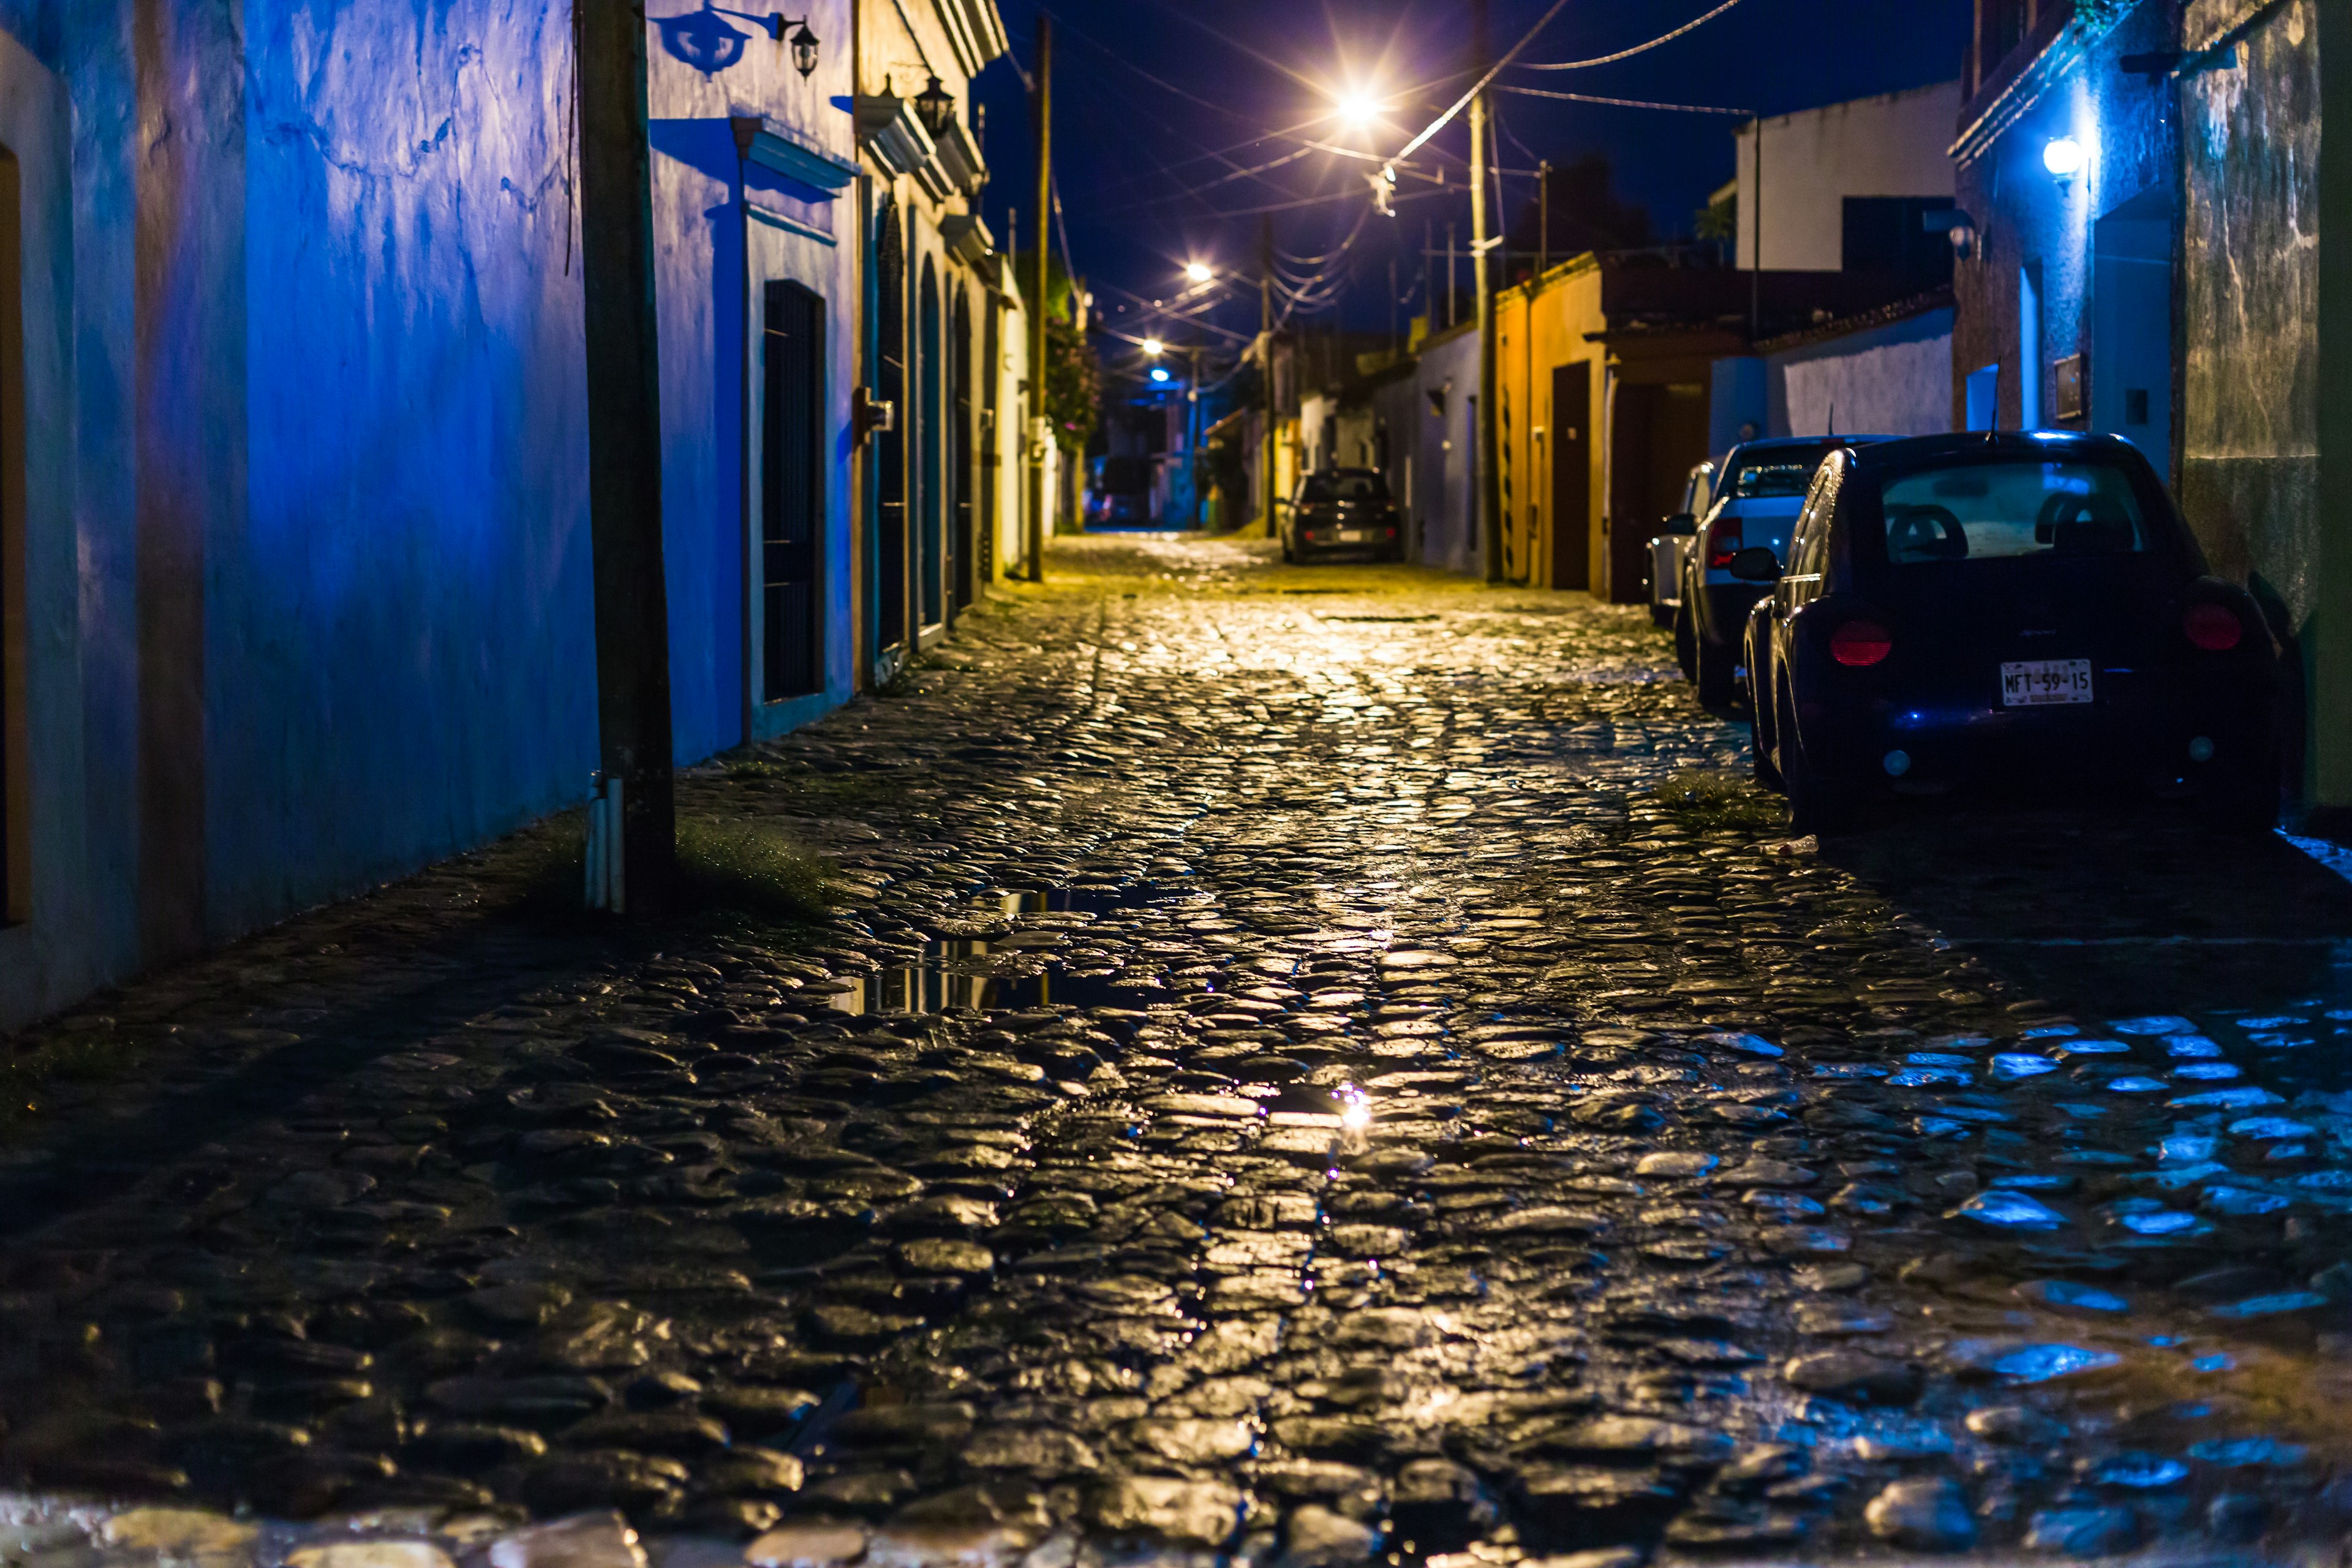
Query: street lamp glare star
column 1359, row 109
column 1197, row 272
column 1154, row 347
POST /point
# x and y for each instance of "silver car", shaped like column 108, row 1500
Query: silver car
column 1674, row 540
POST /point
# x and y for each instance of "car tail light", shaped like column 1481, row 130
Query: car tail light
column 1861, row 643
column 2213, row 627
column 1723, row 541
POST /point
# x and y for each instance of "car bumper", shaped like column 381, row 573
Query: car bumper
column 2163, row 733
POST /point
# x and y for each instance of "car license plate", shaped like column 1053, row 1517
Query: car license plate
column 1354, row 535
column 2045, row 682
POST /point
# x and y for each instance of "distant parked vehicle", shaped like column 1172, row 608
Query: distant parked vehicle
column 1118, row 493
column 1762, row 484
column 2026, row 609
column 1673, row 540
column 1343, row 510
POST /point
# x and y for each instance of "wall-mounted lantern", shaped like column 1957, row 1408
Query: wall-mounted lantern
column 936, row 107
column 804, row 43
column 2064, row 157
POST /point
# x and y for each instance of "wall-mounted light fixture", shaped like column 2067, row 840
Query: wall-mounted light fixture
column 2064, row 157
column 936, row 107
column 804, row 43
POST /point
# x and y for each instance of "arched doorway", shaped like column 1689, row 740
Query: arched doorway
column 931, row 436
column 963, row 546
column 890, row 445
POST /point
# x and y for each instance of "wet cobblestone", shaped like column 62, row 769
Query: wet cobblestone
column 1282, row 1085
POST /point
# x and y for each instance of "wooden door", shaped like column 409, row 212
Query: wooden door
column 1571, row 434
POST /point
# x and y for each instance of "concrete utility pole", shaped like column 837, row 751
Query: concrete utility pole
column 1041, row 426
column 1269, row 485
column 625, row 453
column 1543, row 216
column 1488, row 500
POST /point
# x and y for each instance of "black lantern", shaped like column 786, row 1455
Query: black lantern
column 936, row 107
column 805, row 50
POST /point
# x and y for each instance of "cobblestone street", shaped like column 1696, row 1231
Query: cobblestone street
column 1298, row 1072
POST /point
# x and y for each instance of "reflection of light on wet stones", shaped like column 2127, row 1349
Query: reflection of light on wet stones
column 2000, row 1208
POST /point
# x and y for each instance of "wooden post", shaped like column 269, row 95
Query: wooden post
column 1041, row 429
column 624, row 453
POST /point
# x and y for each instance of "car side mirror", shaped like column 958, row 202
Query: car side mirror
column 1682, row 523
column 1756, row 564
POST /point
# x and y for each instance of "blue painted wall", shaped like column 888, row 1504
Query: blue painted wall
column 314, row 594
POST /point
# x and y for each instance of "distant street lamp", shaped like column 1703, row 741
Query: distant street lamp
column 936, row 107
column 1197, row 272
column 1359, row 111
column 1154, row 347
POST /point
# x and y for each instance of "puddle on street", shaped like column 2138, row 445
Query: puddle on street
column 988, row 974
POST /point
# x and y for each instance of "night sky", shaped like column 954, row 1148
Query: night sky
column 1139, row 193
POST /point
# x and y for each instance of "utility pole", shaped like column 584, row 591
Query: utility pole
column 1756, row 273
column 1543, row 216
column 1268, row 486
column 1041, row 426
column 624, row 460
column 1488, row 500
column 1192, row 434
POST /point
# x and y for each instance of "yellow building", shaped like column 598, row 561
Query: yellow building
column 1602, row 377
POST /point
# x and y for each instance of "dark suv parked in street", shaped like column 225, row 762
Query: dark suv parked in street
column 1340, row 511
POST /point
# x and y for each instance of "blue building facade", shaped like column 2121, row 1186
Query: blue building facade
column 294, row 545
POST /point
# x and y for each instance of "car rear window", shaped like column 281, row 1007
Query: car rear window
column 1981, row 511
column 1768, row 477
column 1327, row 487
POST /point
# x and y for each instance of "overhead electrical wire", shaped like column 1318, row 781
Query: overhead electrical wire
column 1637, row 49
column 1627, row 102
column 1464, row 102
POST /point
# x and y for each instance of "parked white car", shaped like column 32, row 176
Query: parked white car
column 1674, row 541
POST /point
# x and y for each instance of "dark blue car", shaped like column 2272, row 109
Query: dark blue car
column 2024, row 611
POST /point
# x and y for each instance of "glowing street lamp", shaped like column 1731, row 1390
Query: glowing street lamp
column 1154, row 347
column 2064, row 157
column 1197, row 272
column 1359, row 111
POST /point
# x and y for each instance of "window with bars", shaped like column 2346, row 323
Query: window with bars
column 793, row 494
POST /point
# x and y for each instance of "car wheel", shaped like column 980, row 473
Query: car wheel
column 1717, row 675
column 2243, row 802
column 1759, row 735
column 1818, row 805
column 1686, row 642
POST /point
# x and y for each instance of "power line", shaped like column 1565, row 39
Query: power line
column 1480, row 86
column 1637, row 49
column 1625, row 102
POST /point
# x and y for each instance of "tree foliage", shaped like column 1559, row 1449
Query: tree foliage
column 1073, row 373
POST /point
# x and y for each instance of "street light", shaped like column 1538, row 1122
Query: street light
column 1154, row 347
column 1359, row 109
column 2064, row 157
column 1197, row 272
